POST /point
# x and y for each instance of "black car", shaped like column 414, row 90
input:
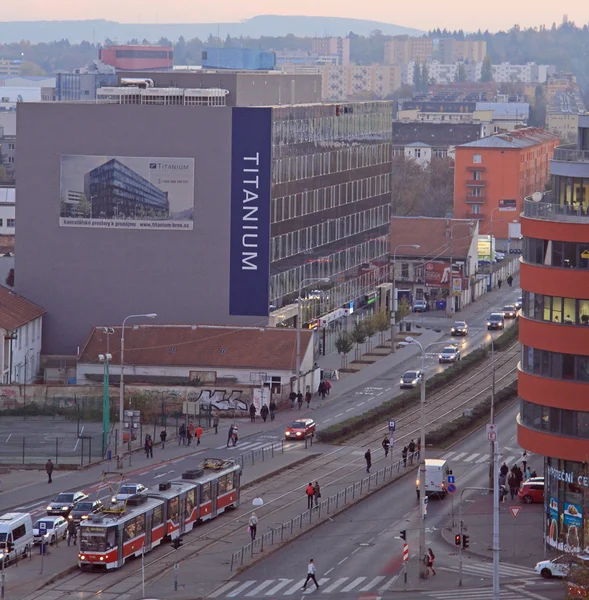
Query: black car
column 64, row 502
column 496, row 321
column 83, row 508
column 459, row 328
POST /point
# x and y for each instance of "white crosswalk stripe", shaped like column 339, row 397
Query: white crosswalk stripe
column 261, row 587
column 372, row 584
column 448, row 455
column 295, row 588
column 486, row 570
column 471, row 457
column 510, row 459
column 335, row 585
column 240, row 589
column 459, row 456
column 311, row 586
column 353, row 584
column 223, row 589
column 388, row 584
column 283, row 583
column 508, row 592
column 483, row 459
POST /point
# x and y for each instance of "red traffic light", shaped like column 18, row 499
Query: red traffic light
column 457, row 539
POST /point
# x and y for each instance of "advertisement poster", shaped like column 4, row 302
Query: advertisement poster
column 116, row 192
column 573, row 523
column 553, row 523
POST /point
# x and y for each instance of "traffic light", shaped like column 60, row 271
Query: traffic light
column 404, row 534
column 457, row 539
column 465, row 542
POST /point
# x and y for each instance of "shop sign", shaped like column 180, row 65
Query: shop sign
column 507, row 205
column 561, row 475
column 437, row 274
column 573, row 523
column 332, row 316
column 456, row 286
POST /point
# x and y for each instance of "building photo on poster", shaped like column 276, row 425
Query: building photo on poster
column 126, row 192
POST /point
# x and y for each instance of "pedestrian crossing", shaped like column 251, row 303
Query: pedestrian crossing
column 482, row 569
column 248, row 446
column 509, row 592
column 475, row 458
column 289, row 587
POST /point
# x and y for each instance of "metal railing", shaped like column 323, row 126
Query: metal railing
column 551, row 211
column 279, row 532
column 264, row 453
column 570, row 153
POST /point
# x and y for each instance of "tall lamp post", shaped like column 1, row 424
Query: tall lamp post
column 491, row 248
column 492, row 478
column 299, row 324
column 393, row 295
column 122, row 385
column 106, row 358
column 409, row 341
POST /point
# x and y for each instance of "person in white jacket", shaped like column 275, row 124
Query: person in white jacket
column 311, row 570
column 253, row 526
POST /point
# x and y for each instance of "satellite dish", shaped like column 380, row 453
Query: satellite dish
column 537, row 196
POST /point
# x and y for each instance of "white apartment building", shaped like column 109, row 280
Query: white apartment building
column 7, row 209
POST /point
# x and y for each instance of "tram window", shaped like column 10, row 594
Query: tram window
column 222, row 485
column 173, row 509
column 129, row 533
column 158, row 516
column 206, row 492
column 139, row 524
column 189, row 503
column 229, row 481
column 111, row 538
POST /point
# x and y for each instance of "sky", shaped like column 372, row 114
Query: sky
column 452, row 14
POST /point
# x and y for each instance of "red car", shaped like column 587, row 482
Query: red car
column 532, row 490
column 300, row 429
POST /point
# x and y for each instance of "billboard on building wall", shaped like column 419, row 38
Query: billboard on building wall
column 437, row 274
column 251, row 164
column 123, row 192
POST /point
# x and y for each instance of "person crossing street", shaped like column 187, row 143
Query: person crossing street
column 386, row 444
column 311, row 572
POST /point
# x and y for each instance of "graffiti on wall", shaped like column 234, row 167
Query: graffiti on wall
column 223, row 399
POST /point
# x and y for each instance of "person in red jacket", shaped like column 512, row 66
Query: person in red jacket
column 198, row 432
column 310, row 493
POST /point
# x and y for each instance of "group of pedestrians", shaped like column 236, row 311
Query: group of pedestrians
column 513, row 478
column 187, row 433
column 313, row 492
column 265, row 411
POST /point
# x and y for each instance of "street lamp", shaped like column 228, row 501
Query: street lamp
column 492, row 479
column 105, row 358
column 408, row 341
column 122, row 385
column 299, row 319
column 450, row 305
column 393, row 298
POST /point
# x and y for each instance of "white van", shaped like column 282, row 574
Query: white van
column 16, row 535
column 436, row 477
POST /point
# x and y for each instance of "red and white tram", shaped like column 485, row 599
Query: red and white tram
column 163, row 512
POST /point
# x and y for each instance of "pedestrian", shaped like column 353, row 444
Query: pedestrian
column 404, row 455
column 292, row 397
column 308, row 397
column 190, row 434
column 182, row 434
column 519, row 476
column 499, row 282
column 72, row 532
column 49, row 470
column 327, row 386
column 512, row 483
column 528, row 473
column 264, row 412
column 316, row 492
column 253, row 526
column 300, row 400
column 252, row 413
column 234, row 435
column 368, row 458
column 216, row 422
column 411, row 451
column 429, row 562
column 230, row 435
column 148, row 446
column 198, row 433
column 509, row 280
column 504, row 469
column 524, row 459
column 418, row 449
column 386, row 444
column 272, row 409
column 163, row 436
column 311, row 571
column 322, row 390
column 310, row 491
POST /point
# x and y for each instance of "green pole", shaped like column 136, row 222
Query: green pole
column 105, row 411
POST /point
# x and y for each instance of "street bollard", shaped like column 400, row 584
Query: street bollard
column 376, row 482
column 282, row 446
column 262, row 544
column 282, row 533
column 253, row 461
column 291, row 525
column 241, row 557
column 272, row 449
column 337, row 501
column 361, row 485
column 251, row 549
column 310, row 516
column 232, row 557
column 176, row 567
column 346, row 496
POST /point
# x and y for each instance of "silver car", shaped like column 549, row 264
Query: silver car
column 49, row 529
column 449, row 354
column 411, row 379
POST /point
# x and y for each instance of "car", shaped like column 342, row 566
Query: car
column 532, row 491
column 84, row 508
column 300, row 429
column 499, row 256
column 420, row 306
column 509, row 311
column 496, row 321
column 459, row 328
column 561, row 565
column 63, row 503
column 411, row 379
column 519, row 303
column 449, row 354
column 48, row 529
column 127, row 490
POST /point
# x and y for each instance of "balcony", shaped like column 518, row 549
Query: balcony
column 476, row 183
column 475, row 199
column 475, row 216
column 478, row 167
column 570, row 153
column 546, row 209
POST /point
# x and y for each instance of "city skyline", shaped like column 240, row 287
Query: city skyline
column 431, row 15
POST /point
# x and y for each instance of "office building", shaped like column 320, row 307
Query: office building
column 239, row 59
column 553, row 378
column 333, row 46
column 450, row 50
column 83, row 83
column 403, row 49
column 562, row 114
column 137, row 58
column 493, row 175
column 260, row 200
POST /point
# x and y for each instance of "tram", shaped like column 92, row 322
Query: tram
column 164, row 512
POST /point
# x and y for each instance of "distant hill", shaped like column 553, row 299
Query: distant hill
column 264, row 25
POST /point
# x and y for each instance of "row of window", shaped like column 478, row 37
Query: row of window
column 436, row 152
column 570, row 311
column 294, row 168
column 550, row 253
column 556, row 365
column 308, row 238
column 558, row 421
column 311, row 201
column 9, row 222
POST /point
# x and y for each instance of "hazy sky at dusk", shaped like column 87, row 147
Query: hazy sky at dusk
column 426, row 14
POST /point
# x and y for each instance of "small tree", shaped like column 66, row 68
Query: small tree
column 358, row 336
column 344, row 344
column 486, row 69
column 369, row 330
column 382, row 323
column 403, row 309
column 84, row 207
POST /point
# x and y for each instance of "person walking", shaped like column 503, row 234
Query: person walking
column 499, row 282
column 368, row 458
column 308, row 398
column 264, row 412
column 504, row 470
column 253, row 526
column 300, row 400
column 230, row 435
column 527, row 473
column 272, row 409
column 327, row 386
column 182, row 434
column 72, row 532
column 49, row 470
column 509, row 280
column 234, row 435
column 310, row 491
column 216, row 422
column 252, row 413
column 190, row 434
column 411, row 451
column 311, row 572
column 429, row 562
column 198, row 434
column 322, row 390
column 148, row 446
column 293, row 398
column 524, row 459
column 404, row 455
column 418, row 449
column 316, row 492
column 163, row 437
column 386, row 444
column 512, row 483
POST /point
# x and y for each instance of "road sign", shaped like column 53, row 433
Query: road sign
column 492, row 433
column 391, row 425
column 451, row 488
column 405, row 552
column 515, row 511
column 451, row 479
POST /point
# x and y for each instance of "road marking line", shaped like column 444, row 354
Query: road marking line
column 312, row 589
column 8, row 438
column 388, row 584
column 343, row 560
column 261, row 587
column 471, row 457
column 278, row 586
column 353, row 552
column 525, row 592
column 352, row 585
column 459, row 456
column 510, row 459
column 223, row 589
column 329, row 571
column 327, row 420
column 482, row 459
column 374, row 582
column 339, row 415
column 241, row 588
column 361, row 403
column 448, row 455
column 160, row 467
column 350, row 409
column 335, row 585
column 295, row 588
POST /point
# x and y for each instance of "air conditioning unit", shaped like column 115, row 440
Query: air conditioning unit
column 165, row 486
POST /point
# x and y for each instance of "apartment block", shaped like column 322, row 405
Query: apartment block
column 404, row 49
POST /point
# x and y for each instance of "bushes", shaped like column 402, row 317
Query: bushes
column 507, row 338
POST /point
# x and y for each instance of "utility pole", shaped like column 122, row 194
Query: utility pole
column 496, row 557
column 492, row 467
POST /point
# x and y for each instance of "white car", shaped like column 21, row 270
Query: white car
column 49, row 529
column 128, row 490
column 449, row 354
column 561, row 566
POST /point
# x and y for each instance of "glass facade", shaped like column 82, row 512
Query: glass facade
column 571, row 191
column 330, row 206
column 557, row 421
column 552, row 253
column 568, row 311
column 556, row 365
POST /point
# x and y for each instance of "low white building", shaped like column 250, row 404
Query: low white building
column 7, row 208
column 21, row 326
column 419, row 152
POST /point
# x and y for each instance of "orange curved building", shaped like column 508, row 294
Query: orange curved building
column 554, row 335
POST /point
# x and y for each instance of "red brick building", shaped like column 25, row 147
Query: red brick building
column 493, row 175
column 138, row 58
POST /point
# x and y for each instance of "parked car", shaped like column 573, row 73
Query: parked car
column 495, row 321
column 509, row 311
column 300, row 429
column 459, row 328
column 411, row 379
column 420, row 306
column 561, row 565
column 128, row 490
column 64, row 502
column 84, row 508
column 532, row 490
column 48, row 529
column 499, row 256
column 449, row 354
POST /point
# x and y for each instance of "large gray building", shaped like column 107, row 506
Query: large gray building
column 260, row 199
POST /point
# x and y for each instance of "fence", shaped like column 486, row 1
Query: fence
column 279, row 533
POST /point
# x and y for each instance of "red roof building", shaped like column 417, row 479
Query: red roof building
column 138, row 58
